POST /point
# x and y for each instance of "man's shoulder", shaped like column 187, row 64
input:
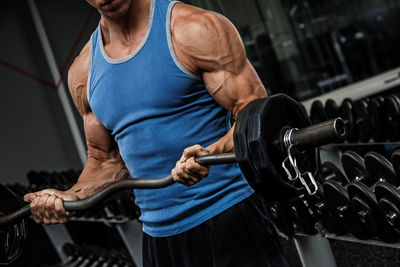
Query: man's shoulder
column 81, row 62
column 194, row 23
column 205, row 37
column 77, row 78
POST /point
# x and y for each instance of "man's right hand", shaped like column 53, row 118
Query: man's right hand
column 47, row 205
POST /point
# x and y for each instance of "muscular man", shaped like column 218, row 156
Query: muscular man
column 156, row 78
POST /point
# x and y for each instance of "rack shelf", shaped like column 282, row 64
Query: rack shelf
column 347, row 238
column 330, row 146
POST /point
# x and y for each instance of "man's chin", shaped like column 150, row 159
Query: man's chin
column 115, row 14
column 118, row 11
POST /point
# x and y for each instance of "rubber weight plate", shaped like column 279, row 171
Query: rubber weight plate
column 243, row 156
column 366, row 206
column 329, row 171
column 362, row 126
column 376, row 119
column 385, row 190
column 366, row 215
column 328, row 220
column 380, row 169
column 339, row 203
column 331, row 109
column 391, row 116
column 302, row 218
column 354, row 167
column 346, row 113
column 317, row 112
column 392, row 213
column 389, row 203
column 266, row 126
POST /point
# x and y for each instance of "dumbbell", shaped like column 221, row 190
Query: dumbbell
column 376, row 118
column 307, row 210
column 346, row 112
column 299, row 208
column 388, row 196
column 391, row 117
column 362, row 195
column 317, row 112
column 331, row 109
column 328, row 220
column 280, row 217
column 361, row 119
column 339, row 203
column 73, row 256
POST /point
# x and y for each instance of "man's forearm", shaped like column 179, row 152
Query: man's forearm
column 223, row 145
column 97, row 175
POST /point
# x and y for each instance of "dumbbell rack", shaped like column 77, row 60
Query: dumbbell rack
column 130, row 233
column 313, row 251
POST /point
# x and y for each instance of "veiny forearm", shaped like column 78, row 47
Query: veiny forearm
column 96, row 176
column 223, row 145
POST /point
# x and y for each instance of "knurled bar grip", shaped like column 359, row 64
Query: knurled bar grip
column 315, row 135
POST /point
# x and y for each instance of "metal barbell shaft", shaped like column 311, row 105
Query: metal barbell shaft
column 315, row 135
column 320, row 134
column 96, row 198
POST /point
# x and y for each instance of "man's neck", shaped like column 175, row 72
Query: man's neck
column 126, row 28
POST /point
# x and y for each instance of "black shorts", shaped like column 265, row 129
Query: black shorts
column 240, row 236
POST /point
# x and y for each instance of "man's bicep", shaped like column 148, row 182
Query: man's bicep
column 229, row 76
column 101, row 145
column 235, row 90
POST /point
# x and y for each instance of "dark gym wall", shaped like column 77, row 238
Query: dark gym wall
column 34, row 131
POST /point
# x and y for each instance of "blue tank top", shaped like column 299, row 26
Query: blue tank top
column 154, row 109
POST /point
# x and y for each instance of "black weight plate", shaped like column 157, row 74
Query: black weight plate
column 339, row 204
column 347, row 114
column 265, row 128
column 372, row 217
column 380, row 99
column 396, row 162
column 300, row 210
column 380, row 169
column 366, row 215
column 391, row 118
column 243, row 156
column 331, row 109
column 358, row 189
column 280, row 217
column 376, row 120
column 386, row 190
column 329, row 171
column 354, row 167
column 317, row 112
column 362, row 121
column 366, row 206
column 391, row 212
column 328, row 220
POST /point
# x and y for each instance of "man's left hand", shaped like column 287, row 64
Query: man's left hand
column 187, row 171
